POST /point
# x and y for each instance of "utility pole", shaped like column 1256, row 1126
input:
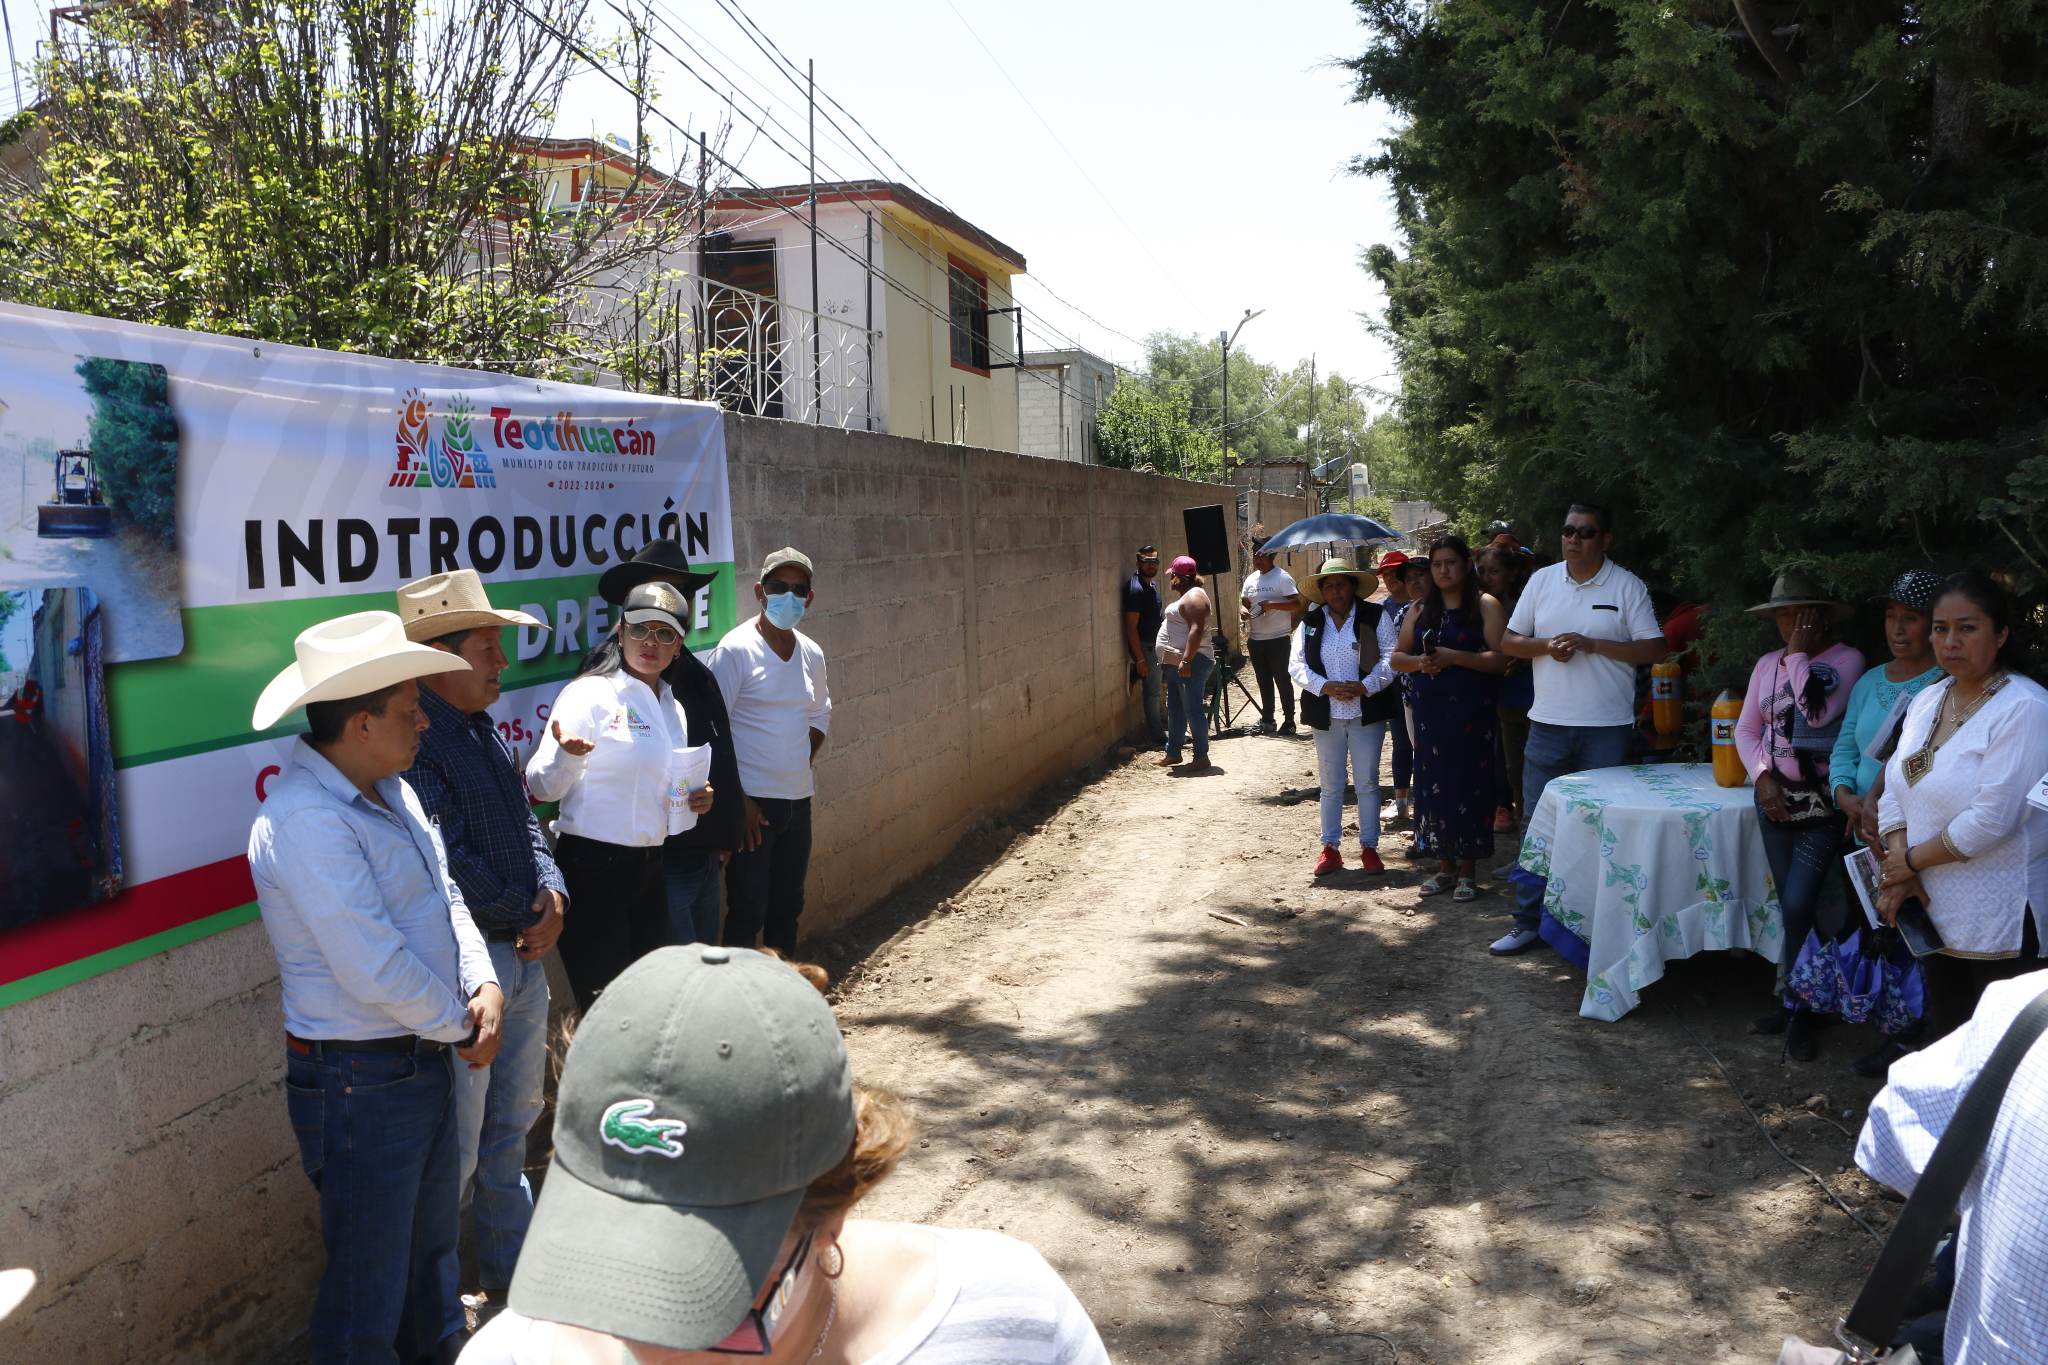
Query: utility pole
column 7, row 22
column 1227, row 338
column 817, row 308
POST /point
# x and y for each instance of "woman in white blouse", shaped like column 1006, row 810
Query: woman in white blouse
column 617, row 755
column 1959, row 834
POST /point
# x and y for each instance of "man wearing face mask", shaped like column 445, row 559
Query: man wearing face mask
column 773, row 679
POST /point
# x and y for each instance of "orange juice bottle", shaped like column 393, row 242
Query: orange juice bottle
column 1667, row 713
column 1728, row 769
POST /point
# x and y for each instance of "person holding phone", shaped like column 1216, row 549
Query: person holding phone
column 609, row 756
column 1448, row 648
column 1960, row 838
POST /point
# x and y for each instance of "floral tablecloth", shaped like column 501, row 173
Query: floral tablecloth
column 1644, row 865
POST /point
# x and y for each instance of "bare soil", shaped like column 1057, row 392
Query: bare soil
column 1255, row 1118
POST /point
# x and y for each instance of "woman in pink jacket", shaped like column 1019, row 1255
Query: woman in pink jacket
column 1790, row 717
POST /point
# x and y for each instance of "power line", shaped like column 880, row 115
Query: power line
column 1117, row 213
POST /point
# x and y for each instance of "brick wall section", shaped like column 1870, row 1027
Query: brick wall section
column 968, row 607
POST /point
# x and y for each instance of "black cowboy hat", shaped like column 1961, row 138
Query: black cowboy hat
column 660, row 561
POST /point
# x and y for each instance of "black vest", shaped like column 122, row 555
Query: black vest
column 1382, row 705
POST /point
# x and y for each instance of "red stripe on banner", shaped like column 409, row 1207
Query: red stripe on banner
column 136, row 913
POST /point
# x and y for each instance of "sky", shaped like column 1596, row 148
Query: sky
column 1162, row 166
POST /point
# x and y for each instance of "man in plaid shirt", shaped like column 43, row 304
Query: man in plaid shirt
column 468, row 780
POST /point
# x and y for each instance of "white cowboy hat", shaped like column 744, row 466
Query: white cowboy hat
column 444, row 603
column 346, row 657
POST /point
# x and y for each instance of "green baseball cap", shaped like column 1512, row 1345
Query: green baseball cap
column 704, row 1092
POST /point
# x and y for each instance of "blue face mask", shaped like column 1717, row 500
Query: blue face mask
column 784, row 610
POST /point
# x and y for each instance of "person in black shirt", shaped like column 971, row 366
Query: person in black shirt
column 694, row 860
column 1141, row 634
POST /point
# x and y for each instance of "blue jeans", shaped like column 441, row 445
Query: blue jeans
column 376, row 1134
column 1152, row 692
column 1360, row 744
column 494, row 1110
column 1187, row 706
column 764, row 889
column 696, row 890
column 1800, row 861
column 1556, row 751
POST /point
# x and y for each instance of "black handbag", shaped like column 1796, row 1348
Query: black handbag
column 1874, row 1318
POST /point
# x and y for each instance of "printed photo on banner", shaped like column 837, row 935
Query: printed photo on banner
column 89, row 454
column 60, row 845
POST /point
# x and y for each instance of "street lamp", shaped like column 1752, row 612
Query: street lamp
column 1227, row 338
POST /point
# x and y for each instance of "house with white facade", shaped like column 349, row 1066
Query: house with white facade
column 1057, row 402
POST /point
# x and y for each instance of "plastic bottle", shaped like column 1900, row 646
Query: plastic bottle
column 1667, row 712
column 1728, row 770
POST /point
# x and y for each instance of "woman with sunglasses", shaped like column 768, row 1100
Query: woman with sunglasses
column 710, row 1145
column 610, row 755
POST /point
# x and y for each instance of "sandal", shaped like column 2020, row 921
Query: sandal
column 1466, row 890
column 1437, row 885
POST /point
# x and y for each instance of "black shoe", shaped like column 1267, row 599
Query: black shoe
column 1800, row 1043
column 1772, row 1024
column 1877, row 1065
column 1288, row 728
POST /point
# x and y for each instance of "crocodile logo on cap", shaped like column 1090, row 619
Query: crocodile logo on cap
column 626, row 1126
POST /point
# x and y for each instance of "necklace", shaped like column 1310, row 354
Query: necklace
column 1920, row 762
column 831, row 1316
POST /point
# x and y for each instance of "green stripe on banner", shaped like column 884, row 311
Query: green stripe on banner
column 201, row 700
column 71, row 973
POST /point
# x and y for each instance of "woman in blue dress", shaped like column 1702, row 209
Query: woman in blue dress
column 1449, row 647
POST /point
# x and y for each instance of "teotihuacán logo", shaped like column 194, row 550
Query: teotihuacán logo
column 451, row 462
column 457, row 460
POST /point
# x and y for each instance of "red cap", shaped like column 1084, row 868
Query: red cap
column 1392, row 559
column 1184, row 566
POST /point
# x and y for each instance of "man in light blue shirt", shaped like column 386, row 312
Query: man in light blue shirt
column 382, row 972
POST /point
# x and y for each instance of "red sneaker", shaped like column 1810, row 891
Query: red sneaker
column 1369, row 859
column 1331, row 861
column 1503, row 820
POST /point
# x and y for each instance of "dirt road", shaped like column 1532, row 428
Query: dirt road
column 1256, row 1119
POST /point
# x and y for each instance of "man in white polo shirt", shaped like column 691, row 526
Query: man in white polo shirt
column 773, row 679
column 1587, row 624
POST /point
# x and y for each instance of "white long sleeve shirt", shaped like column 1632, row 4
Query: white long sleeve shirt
column 1976, row 793
column 618, row 792
column 1999, row 1313
column 1341, row 661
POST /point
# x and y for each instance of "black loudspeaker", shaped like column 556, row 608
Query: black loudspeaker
column 1208, row 543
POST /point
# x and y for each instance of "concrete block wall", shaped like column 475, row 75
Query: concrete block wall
column 152, row 1180
column 968, row 604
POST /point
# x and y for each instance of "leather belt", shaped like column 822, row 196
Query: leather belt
column 405, row 1042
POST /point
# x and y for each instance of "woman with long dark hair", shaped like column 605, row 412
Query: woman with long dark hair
column 611, row 756
column 1450, row 645
column 1959, row 834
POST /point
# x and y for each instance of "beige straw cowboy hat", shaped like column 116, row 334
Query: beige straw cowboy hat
column 346, row 657
column 444, row 603
column 1311, row 585
column 1797, row 590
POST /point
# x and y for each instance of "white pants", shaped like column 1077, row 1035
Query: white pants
column 1360, row 744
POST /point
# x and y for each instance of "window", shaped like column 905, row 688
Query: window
column 967, row 299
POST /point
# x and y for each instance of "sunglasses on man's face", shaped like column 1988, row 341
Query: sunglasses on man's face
column 776, row 587
column 647, row 630
column 755, row 1336
column 1571, row 532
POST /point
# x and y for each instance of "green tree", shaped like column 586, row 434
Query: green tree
column 1776, row 292
column 134, row 439
column 351, row 174
column 1146, row 425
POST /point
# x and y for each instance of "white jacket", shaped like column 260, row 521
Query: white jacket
column 618, row 792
